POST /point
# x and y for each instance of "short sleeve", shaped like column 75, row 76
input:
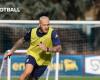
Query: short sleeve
column 27, row 36
column 55, row 38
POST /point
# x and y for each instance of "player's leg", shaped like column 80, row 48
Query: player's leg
column 31, row 78
column 29, row 66
column 38, row 71
column 27, row 71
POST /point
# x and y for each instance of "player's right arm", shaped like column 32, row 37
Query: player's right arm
column 19, row 43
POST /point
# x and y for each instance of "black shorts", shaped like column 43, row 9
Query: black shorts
column 38, row 70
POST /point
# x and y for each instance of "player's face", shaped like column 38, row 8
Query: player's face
column 44, row 25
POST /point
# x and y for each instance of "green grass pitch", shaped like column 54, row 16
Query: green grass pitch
column 70, row 78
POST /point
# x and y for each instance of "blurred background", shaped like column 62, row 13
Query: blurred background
column 55, row 9
column 75, row 38
column 79, row 59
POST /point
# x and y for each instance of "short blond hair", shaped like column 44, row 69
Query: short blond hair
column 44, row 17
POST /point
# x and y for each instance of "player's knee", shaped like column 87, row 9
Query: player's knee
column 21, row 78
column 26, row 73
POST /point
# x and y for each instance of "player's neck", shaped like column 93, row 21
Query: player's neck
column 40, row 30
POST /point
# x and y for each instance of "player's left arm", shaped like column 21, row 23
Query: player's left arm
column 56, row 44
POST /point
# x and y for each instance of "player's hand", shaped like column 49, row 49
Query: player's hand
column 7, row 54
column 42, row 46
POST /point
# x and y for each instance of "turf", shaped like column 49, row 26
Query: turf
column 75, row 78
column 70, row 78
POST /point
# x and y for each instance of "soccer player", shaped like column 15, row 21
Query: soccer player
column 44, row 41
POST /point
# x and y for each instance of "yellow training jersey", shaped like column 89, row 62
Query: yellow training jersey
column 41, row 57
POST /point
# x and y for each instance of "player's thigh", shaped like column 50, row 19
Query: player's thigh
column 29, row 64
column 28, row 69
